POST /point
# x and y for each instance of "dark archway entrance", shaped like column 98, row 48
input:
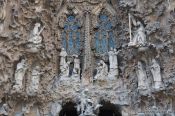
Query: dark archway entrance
column 69, row 110
column 109, row 109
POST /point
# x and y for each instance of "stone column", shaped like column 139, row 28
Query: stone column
column 87, row 67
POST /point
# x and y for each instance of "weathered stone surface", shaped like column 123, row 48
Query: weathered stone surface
column 88, row 53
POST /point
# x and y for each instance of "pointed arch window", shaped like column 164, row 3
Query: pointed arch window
column 104, row 36
column 71, row 35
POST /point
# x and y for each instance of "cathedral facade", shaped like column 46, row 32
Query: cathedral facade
column 87, row 58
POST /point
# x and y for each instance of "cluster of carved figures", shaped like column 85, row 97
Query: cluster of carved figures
column 34, row 44
column 19, row 76
column 102, row 68
column 156, row 73
column 81, row 40
column 138, row 41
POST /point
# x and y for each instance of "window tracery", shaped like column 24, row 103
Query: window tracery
column 71, row 35
column 104, row 37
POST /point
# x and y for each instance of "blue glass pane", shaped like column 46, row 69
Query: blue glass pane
column 71, row 41
column 97, row 41
column 103, row 18
column 108, row 26
column 64, row 43
column 104, row 37
column 74, row 27
column 66, row 27
column 71, row 18
column 111, row 40
column 104, row 43
column 99, row 47
column 77, row 42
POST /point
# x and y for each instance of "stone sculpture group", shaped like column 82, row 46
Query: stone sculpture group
column 139, row 40
column 20, row 76
column 64, row 65
column 85, row 51
column 102, row 73
column 35, row 40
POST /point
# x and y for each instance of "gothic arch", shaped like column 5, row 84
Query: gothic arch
column 69, row 109
column 109, row 109
column 70, row 29
column 105, row 21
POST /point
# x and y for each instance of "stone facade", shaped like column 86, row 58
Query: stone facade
column 86, row 57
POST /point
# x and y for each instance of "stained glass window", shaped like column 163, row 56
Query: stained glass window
column 71, row 36
column 104, row 36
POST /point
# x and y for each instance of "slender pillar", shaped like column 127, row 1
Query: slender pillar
column 87, row 67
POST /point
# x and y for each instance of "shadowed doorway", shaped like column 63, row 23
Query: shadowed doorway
column 109, row 109
column 68, row 110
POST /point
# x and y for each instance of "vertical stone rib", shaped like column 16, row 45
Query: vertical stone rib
column 87, row 69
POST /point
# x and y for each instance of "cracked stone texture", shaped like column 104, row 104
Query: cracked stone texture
column 17, row 21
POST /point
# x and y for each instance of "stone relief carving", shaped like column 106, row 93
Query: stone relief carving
column 64, row 66
column 76, row 69
column 4, row 110
column 102, row 71
column 139, row 38
column 86, row 29
column 55, row 109
column 87, row 106
column 63, row 55
column 113, row 63
column 19, row 75
column 156, row 72
column 35, row 79
column 142, row 77
column 156, row 107
column 35, row 40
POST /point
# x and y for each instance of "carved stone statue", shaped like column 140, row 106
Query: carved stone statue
column 2, row 14
column 155, row 70
column 102, row 71
column 86, row 105
column 142, row 77
column 35, row 40
column 63, row 55
column 34, row 84
column 64, row 66
column 4, row 110
column 113, row 61
column 139, row 38
column 55, row 109
column 19, row 75
column 76, row 69
column 65, row 70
